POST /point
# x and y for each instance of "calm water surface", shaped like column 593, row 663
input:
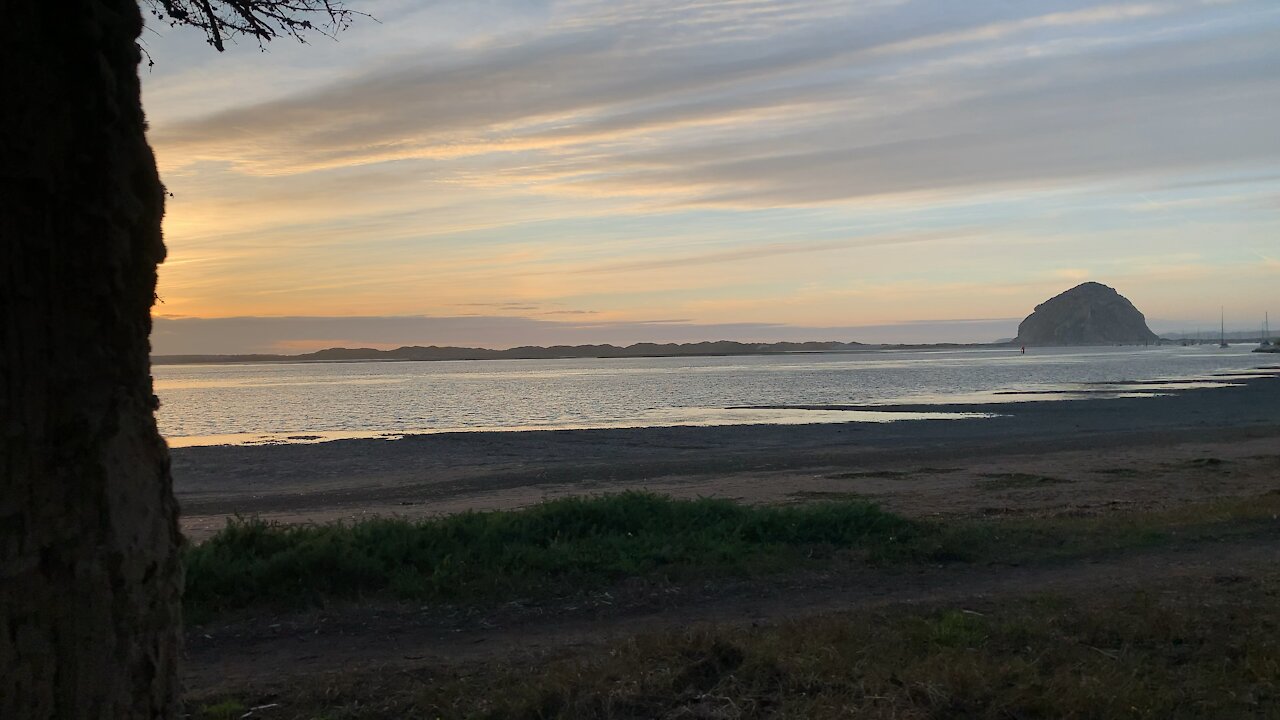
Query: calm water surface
column 208, row 404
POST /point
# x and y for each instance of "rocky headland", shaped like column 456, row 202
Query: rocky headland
column 1087, row 314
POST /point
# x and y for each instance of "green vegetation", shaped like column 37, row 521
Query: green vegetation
column 224, row 710
column 811, row 495
column 574, row 545
column 1202, row 650
column 1207, row 648
column 559, row 546
column 1025, row 540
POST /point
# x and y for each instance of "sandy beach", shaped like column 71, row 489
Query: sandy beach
column 1076, row 456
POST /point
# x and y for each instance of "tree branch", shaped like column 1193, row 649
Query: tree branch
column 264, row 20
column 215, row 33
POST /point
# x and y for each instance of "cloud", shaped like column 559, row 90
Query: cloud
column 695, row 159
column 1073, row 274
column 827, row 106
column 771, row 250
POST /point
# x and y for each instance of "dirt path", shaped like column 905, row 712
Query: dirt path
column 270, row 650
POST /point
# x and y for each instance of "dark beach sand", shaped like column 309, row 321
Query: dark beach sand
column 1052, row 457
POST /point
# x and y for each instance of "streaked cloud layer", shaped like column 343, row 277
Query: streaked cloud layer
column 818, row 164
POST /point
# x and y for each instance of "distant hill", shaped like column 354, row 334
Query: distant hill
column 1087, row 314
column 432, row 352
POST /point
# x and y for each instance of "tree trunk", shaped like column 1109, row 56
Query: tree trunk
column 90, row 577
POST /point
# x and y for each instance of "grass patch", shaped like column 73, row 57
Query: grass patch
column 1204, row 651
column 824, row 495
column 1017, row 481
column 1024, row 540
column 224, row 710
column 573, row 545
column 563, row 545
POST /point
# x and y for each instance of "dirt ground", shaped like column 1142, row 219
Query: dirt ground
column 1135, row 476
column 249, row 650
column 266, row 650
column 1026, row 466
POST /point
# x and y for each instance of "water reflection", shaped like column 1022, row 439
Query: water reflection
column 283, row 402
column 672, row 417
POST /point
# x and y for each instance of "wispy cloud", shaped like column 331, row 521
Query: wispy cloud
column 770, row 250
column 822, row 108
column 651, row 158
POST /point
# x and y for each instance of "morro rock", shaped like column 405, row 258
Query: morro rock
column 1087, row 314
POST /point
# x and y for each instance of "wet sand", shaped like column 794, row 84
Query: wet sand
column 1075, row 456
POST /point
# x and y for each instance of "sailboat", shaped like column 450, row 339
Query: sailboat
column 1266, row 345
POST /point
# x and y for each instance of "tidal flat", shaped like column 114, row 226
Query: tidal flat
column 1091, row 453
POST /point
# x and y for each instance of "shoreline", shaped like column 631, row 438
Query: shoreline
column 466, row 354
column 1075, row 440
column 942, row 406
column 1093, row 507
column 778, row 416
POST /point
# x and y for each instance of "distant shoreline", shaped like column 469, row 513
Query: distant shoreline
column 722, row 348
column 562, row 352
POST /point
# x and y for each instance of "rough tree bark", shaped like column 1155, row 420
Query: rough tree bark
column 89, row 571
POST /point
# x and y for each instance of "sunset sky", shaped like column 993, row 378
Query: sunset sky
column 494, row 172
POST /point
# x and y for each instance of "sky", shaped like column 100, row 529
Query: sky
column 508, row 172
